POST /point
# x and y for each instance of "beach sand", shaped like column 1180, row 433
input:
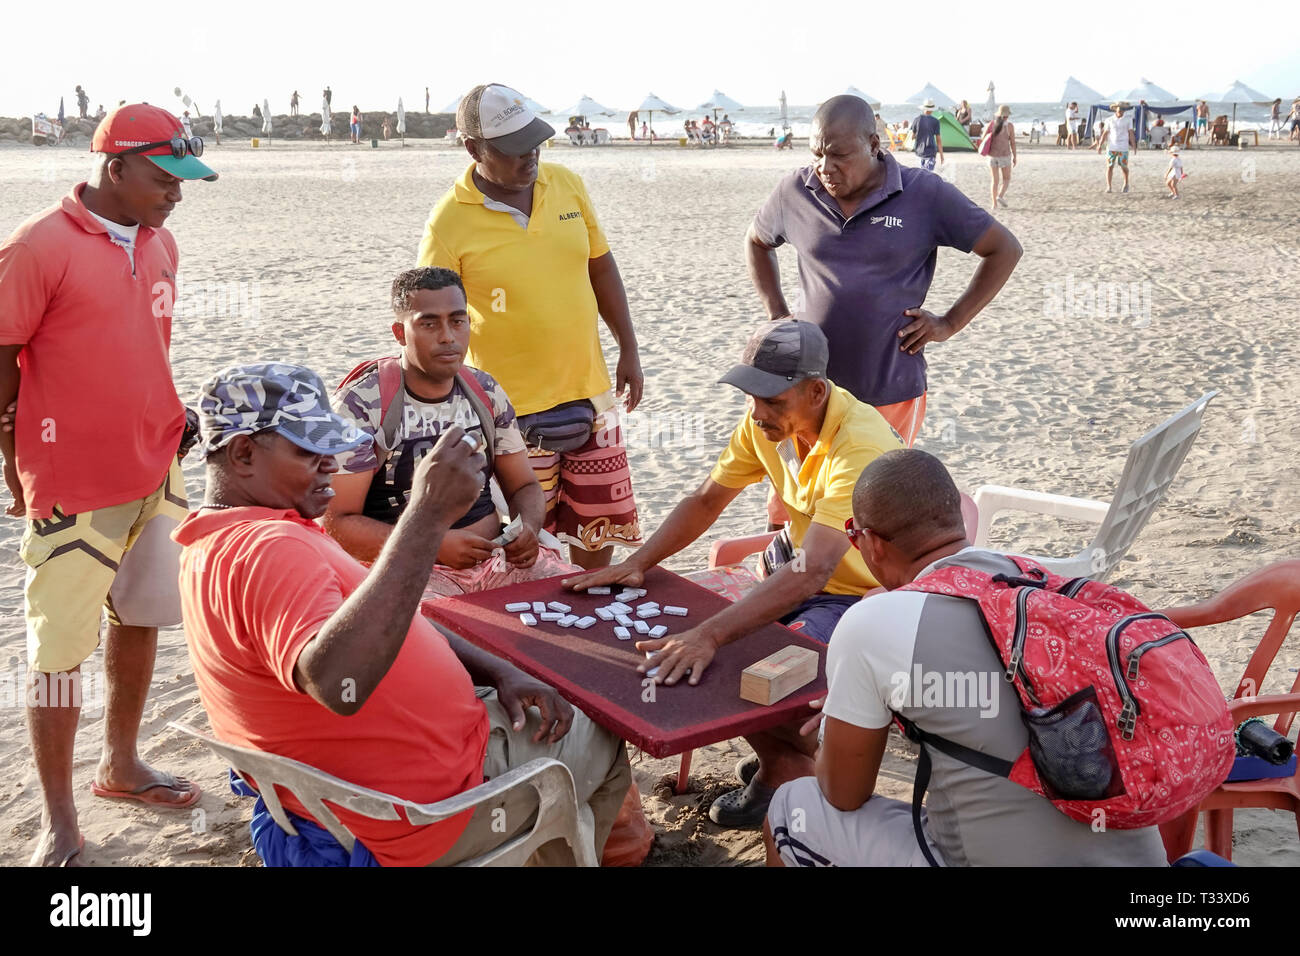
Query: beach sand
column 312, row 236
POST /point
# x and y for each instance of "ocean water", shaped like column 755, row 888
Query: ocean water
column 758, row 120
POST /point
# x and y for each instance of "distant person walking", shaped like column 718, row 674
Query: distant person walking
column 86, row 292
column 632, row 119
column 1072, row 125
column 83, row 101
column 1202, row 117
column 293, row 104
column 1118, row 139
column 257, row 113
column 926, row 139
column 1275, row 119
column 1001, row 137
column 355, row 124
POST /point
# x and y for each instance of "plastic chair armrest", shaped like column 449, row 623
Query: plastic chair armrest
column 991, row 500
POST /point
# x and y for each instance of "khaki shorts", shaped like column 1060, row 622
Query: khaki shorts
column 601, row 777
column 119, row 559
column 999, row 162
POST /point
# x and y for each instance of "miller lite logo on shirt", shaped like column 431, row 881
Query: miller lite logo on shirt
column 889, row 221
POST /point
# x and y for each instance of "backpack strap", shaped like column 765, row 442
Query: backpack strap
column 974, row 758
column 390, row 393
column 481, row 402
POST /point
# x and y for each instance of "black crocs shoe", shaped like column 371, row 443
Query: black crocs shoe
column 746, row 768
column 744, row 808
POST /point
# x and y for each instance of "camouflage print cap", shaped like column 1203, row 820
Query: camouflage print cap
column 779, row 355
column 288, row 399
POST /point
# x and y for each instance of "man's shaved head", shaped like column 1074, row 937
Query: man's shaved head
column 851, row 112
column 908, row 497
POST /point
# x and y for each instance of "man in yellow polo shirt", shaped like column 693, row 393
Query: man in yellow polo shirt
column 538, row 273
column 812, row 440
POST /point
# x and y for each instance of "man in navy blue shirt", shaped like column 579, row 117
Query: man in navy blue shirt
column 926, row 140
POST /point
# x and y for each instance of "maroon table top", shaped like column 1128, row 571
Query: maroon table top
column 596, row 672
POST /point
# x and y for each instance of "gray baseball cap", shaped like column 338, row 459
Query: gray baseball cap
column 501, row 116
column 778, row 357
column 288, row 399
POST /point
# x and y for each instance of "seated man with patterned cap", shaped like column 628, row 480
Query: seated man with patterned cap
column 299, row 651
column 812, row 440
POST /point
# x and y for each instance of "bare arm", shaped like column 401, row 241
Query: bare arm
column 343, row 664
column 611, row 299
column 999, row 251
column 525, row 499
column 10, row 376
column 361, row 536
column 848, row 762
column 765, row 273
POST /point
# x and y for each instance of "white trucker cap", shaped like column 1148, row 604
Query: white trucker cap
column 501, row 116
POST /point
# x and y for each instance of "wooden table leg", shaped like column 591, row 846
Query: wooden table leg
column 684, row 773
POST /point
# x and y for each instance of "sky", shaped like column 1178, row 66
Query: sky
column 370, row 54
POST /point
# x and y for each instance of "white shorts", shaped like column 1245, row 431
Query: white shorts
column 999, row 162
column 810, row 832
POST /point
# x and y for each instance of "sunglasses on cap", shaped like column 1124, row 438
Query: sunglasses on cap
column 854, row 532
column 180, row 146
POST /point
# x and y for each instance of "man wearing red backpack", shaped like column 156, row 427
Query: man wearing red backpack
column 405, row 405
column 927, row 659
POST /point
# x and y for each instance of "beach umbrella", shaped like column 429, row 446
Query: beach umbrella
column 266, row 120
column 453, row 105
column 990, row 104
column 60, row 112
column 401, row 120
column 1239, row 92
column 1077, row 92
column 326, row 120
column 216, row 118
column 931, row 92
column 652, row 103
column 535, row 106
column 586, row 106
column 720, row 102
column 872, row 101
column 1146, row 90
column 785, row 120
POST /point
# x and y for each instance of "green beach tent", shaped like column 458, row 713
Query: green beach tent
column 951, row 133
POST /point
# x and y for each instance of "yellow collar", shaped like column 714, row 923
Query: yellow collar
column 837, row 406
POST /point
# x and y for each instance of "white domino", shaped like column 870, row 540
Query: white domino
column 604, row 613
column 647, row 604
column 618, row 607
column 557, row 606
column 539, row 607
column 623, row 619
column 568, row 620
column 584, row 623
column 658, row 632
column 623, row 634
column 517, row 606
column 528, row 619
column 550, row 615
column 674, row 610
column 598, row 590
column 642, row 627
column 648, row 612
column 627, row 595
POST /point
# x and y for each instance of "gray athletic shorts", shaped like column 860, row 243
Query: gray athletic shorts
column 810, row 832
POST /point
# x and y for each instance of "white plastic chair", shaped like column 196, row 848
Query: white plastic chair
column 1153, row 461
column 558, row 817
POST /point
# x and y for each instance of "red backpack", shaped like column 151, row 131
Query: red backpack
column 1128, row 726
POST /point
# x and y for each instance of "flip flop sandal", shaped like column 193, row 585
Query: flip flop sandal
column 744, row 808
column 746, row 768
column 81, row 845
column 147, row 795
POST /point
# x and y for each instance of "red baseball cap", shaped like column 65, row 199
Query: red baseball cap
column 139, row 124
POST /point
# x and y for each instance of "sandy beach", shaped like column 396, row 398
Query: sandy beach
column 290, row 254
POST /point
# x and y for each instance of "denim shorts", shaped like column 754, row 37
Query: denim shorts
column 817, row 616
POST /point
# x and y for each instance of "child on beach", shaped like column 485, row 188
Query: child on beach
column 1174, row 174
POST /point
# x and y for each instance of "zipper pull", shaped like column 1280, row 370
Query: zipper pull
column 1127, row 722
column 1013, row 665
column 1133, row 661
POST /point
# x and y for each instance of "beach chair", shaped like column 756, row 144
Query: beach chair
column 1183, row 137
column 1275, row 587
column 1219, row 131
column 1159, row 137
column 575, row 137
column 1153, row 461
column 558, row 817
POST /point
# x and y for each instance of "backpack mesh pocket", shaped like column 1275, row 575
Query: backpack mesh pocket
column 1071, row 749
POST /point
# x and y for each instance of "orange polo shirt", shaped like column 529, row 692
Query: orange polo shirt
column 98, row 417
column 256, row 585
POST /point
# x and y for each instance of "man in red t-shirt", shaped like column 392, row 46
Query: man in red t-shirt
column 86, row 293
column 299, row 651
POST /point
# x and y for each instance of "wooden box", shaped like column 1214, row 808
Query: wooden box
column 779, row 675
